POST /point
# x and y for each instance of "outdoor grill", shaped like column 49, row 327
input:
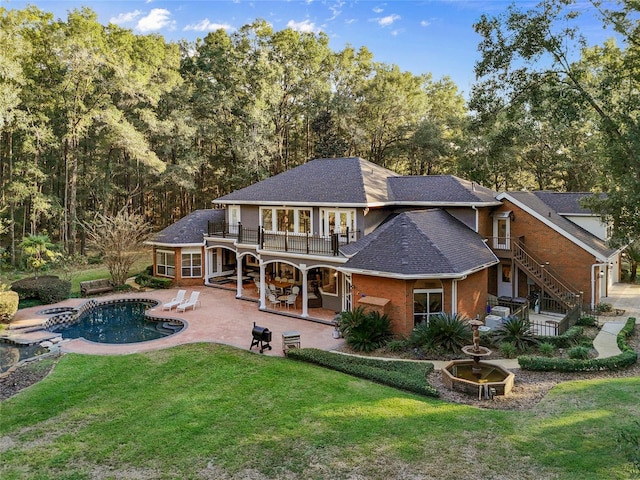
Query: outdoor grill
column 261, row 337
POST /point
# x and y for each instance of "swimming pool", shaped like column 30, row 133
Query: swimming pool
column 119, row 322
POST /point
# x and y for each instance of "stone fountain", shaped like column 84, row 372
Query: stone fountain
column 475, row 376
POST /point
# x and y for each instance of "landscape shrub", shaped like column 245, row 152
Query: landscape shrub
column 508, row 349
column 53, row 290
column 624, row 333
column 518, row 332
column 604, row 307
column 587, row 321
column 397, row 345
column 546, row 349
column 145, row 280
column 448, row 332
column 419, row 335
column 579, row 352
column 625, row 359
column 363, row 331
column 408, row 376
column 47, row 289
column 568, row 339
column 9, row 301
column 545, row 364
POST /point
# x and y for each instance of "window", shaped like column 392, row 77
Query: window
column 234, row 218
column 425, row 304
column 338, row 221
column 292, row 220
column 191, row 264
column 166, row 263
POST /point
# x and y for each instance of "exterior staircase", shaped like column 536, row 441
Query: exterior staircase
column 551, row 283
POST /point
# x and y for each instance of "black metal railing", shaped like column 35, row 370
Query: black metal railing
column 304, row 243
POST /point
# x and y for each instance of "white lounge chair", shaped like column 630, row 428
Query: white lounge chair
column 193, row 299
column 177, row 300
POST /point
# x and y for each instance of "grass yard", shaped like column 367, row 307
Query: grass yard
column 215, row 412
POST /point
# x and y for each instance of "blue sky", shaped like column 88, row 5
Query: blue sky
column 426, row 36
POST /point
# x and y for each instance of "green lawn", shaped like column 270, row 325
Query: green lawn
column 210, row 411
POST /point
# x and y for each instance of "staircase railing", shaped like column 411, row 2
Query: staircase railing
column 548, row 279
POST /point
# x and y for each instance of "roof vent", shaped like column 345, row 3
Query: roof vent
column 473, row 186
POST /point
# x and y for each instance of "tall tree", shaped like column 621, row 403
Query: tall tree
column 522, row 51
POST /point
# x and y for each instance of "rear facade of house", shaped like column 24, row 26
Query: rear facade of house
column 343, row 233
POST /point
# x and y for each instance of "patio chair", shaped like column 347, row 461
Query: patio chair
column 295, row 290
column 273, row 300
column 175, row 301
column 291, row 300
column 193, row 300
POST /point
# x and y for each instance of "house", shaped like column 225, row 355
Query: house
column 347, row 233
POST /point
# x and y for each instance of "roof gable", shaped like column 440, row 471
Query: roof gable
column 420, row 243
column 533, row 203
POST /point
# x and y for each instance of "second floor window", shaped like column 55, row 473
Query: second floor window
column 292, row 220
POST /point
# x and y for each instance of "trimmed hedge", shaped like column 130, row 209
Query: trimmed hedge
column 9, row 301
column 625, row 359
column 145, row 280
column 48, row 289
column 408, row 376
column 626, row 331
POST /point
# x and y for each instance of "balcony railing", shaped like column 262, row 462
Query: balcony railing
column 304, row 243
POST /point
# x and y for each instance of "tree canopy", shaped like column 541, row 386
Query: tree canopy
column 95, row 119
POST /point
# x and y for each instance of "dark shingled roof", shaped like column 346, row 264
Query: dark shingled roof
column 442, row 189
column 565, row 203
column 420, row 243
column 546, row 210
column 345, row 181
column 189, row 229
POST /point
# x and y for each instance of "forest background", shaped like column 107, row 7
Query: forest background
column 95, row 118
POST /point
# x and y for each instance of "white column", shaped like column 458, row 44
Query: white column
column 305, row 296
column 263, row 297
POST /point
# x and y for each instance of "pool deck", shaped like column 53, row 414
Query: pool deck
column 222, row 318
column 218, row 318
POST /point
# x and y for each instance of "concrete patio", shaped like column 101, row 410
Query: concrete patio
column 218, row 318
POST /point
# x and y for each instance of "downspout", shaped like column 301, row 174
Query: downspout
column 593, row 282
column 477, row 217
column 454, row 294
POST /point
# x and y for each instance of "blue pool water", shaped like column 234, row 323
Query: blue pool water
column 121, row 322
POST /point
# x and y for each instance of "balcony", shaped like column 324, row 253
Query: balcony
column 301, row 243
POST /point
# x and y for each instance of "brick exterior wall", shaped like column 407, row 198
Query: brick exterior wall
column 570, row 261
column 178, row 280
column 472, row 297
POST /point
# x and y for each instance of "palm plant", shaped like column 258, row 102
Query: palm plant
column 363, row 331
column 448, row 332
column 39, row 250
column 516, row 331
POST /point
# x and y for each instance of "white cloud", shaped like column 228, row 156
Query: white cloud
column 125, row 17
column 388, row 20
column 425, row 23
column 157, row 19
column 304, row 26
column 207, row 26
column 378, row 10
